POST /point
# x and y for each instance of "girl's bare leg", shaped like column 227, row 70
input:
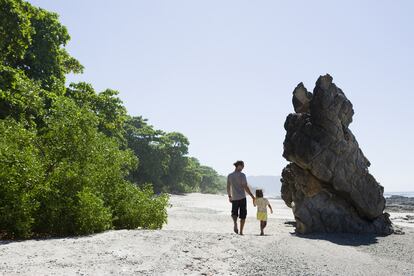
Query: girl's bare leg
column 262, row 226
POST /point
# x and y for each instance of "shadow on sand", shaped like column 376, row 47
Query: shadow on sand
column 342, row 238
column 5, row 241
column 338, row 238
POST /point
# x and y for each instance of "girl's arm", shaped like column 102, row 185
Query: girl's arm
column 270, row 207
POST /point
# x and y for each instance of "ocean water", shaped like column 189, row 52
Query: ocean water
column 407, row 194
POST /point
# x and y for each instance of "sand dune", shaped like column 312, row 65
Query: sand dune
column 198, row 241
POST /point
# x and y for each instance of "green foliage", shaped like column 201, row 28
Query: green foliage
column 19, row 96
column 91, row 215
column 211, row 182
column 106, row 105
column 69, row 156
column 32, row 40
column 192, row 175
column 76, row 156
column 148, row 145
column 138, row 207
column 20, row 178
column 176, row 146
column 164, row 161
column 15, row 31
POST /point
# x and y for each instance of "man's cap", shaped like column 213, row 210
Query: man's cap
column 238, row 163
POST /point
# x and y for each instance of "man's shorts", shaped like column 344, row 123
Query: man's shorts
column 239, row 208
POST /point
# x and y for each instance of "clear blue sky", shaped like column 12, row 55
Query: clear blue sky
column 222, row 72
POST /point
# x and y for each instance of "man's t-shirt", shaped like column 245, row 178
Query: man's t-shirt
column 237, row 181
column 261, row 204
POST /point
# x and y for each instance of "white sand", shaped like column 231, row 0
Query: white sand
column 198, row 241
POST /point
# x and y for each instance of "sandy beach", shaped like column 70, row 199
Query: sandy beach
column 198, row 241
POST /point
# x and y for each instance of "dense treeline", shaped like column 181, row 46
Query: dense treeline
column 72, row 160
column 164, row 162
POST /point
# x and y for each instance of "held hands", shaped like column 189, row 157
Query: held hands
column 230, row 199
column 254, row 201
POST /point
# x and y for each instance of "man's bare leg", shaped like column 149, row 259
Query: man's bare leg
column 235, row 224
column 242, row 221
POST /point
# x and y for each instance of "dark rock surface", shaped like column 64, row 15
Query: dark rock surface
column 327, row 183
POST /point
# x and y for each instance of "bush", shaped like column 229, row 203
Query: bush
column 20, row 178
column 135, row 207
column 81, row 164
column 86, row 183
column 91, row 214
column 154, row 208
column 69, row 179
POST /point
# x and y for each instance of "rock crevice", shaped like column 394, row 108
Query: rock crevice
column 327, row 183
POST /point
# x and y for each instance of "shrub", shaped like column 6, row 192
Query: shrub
column 135, row 207
column 20, row 176
column 91, row 215
column 85, row 180
column 81, row 164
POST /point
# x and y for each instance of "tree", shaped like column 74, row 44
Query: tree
column 192, row 176
column 20, row 97
column 164, row 161
column 109, row 109
column 148, row 145
column 211, row 181
column 33, row 41
column 177, row 148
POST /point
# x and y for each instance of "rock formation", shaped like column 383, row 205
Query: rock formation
column 327, row 183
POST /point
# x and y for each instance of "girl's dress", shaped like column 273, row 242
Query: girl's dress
column 261, row 204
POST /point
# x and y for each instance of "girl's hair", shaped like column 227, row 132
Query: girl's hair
column 259, row 193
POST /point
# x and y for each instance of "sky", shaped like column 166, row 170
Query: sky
column 223, row 72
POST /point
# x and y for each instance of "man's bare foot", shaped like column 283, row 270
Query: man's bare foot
column 241, row 234
column 235, row 229
column 261, row 234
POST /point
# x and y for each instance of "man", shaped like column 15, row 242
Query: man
column 236, row 190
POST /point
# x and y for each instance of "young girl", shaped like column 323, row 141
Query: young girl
column 262, row 204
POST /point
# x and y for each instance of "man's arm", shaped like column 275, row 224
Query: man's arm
column 228, row 188
column 246, row 188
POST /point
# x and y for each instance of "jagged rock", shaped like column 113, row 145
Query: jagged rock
column 328, row 184
column 301, row 99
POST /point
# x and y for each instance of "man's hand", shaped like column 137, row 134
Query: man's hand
column 230, row 199
column 254, row 201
